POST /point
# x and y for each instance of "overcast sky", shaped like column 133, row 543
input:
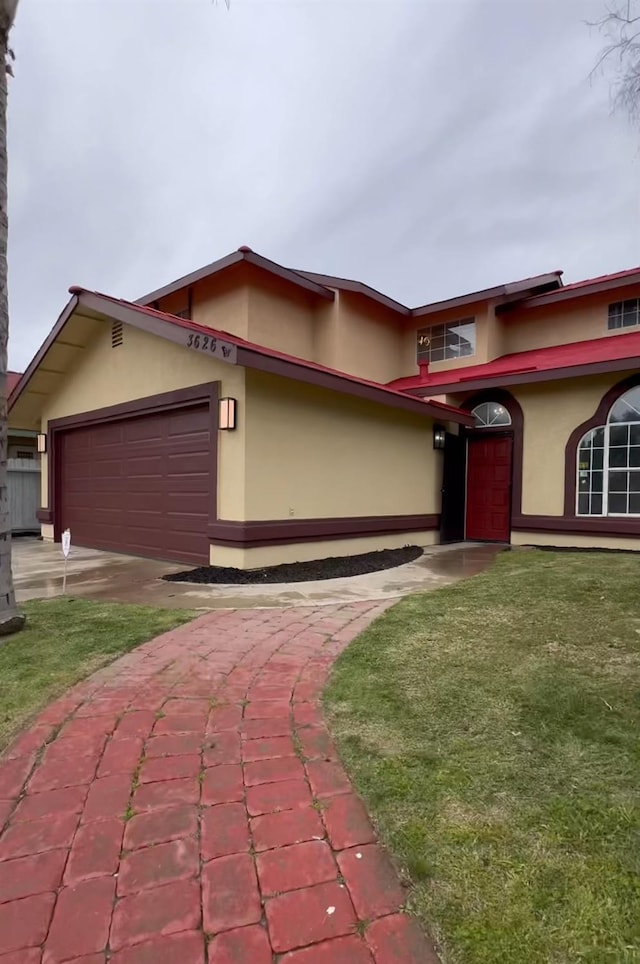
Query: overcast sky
column 426, row 148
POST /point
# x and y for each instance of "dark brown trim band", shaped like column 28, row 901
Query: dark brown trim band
column 45, row 516
column 578, row 525
column 598, row 418
column 139, row 406
column 248, row 535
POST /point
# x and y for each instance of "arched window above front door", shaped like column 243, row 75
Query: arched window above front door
column 608, row 470
column 491, row 415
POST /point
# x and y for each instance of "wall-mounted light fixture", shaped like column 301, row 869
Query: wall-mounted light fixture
column 227, row 413
column 42, row 443
column 439, row 436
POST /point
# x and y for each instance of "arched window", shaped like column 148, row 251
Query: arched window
column 491, row 415
column 608, row 470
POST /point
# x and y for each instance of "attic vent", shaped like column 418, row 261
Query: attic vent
column 116, row 334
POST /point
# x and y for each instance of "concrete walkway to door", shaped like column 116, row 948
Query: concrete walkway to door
column 186, row 805
column 107, row 576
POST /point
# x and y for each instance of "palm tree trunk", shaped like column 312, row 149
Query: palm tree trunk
column 10, row 619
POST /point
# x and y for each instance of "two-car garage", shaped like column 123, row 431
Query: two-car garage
column 142, row 484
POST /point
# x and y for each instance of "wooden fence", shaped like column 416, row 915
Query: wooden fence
column 24, row 494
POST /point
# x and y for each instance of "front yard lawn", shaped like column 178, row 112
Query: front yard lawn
column 64, row 641
column 493, row 729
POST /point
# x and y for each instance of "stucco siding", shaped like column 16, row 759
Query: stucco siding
column 145, row 365
column 305, row 551
column 552, row 411
column 282, row 318
column 369, row 342
column 568, row 541
column 561, row 323
column 315, row 454
column 222, row 304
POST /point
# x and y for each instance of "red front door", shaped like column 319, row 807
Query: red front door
column 489, row 488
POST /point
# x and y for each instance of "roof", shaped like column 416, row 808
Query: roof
column 524, row 288
column 325, row 285
column 612, row 353
column 241, row 352
column 12, row 380
column 590, row 286
column 245, row 255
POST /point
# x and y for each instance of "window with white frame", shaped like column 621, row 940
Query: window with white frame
column 624, row 314
column 456, row 339
column 608, row 470
column 491, row 415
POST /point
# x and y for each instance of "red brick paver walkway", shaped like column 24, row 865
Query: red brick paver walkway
column 186, row 805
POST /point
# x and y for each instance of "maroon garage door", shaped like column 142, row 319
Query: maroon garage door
column 140, row 485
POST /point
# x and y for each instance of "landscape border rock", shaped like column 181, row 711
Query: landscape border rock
column 332, row 568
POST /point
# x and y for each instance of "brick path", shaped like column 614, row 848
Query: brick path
column 189, row 796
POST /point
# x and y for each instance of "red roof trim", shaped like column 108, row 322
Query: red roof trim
column 12, row 380
column 539, row 364
column 251, row 348
column 256, row 356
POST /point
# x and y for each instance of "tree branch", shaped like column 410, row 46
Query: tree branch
column 621, row 26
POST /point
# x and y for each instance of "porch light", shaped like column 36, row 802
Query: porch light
column 227, row 414
column 439, row 434
column 42, row 443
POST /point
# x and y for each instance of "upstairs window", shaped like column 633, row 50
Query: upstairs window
column 457, row 339
column 624, row 314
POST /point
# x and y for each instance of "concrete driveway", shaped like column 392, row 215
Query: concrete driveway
column 38, row 568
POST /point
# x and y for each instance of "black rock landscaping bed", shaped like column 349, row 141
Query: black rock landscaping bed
column 333, row 568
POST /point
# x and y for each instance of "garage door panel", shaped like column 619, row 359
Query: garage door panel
column 185, row 422
column 184, row 522
column 140, row 485
column 145, row 501
column 110, row 434
column 151, row 466
column 194, row 503
column 153, row 431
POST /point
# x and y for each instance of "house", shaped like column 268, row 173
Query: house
column 21, row 443
column 249, row 414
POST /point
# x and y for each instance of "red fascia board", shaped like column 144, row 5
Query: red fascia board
column 12, row 380
column 259, row 357
column 539, row 364
column 530, row 377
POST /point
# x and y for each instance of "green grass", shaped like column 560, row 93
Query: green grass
column 493, row 728
column 64, row 641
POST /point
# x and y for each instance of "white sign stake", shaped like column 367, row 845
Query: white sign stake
column 66, row 547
